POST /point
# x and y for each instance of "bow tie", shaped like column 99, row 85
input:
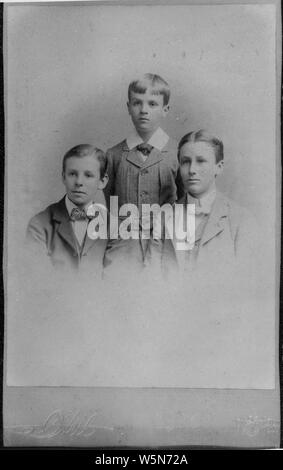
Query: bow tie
column 79, row 214
column 145, row 149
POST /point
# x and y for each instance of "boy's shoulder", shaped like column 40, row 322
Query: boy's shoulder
column 240, row 219
column 234, row 208
column 171, row 148
column 171, row 144
column 55, row 210
column 118, row 148
column 224, row 206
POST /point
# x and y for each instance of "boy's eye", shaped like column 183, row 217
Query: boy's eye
column 152, row 104
column 89, row 175
column 185, row 161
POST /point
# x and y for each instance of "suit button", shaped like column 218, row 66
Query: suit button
column 144, row 172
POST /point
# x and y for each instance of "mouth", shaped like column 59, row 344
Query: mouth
column 143, row 119
column 78, row 192
column 193, row 180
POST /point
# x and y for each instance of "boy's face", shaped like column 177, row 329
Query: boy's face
column 147, row 111
column 198, row 168
column 82, row 179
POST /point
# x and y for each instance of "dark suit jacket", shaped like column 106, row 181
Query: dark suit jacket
column 137, row 182
column 51, row 229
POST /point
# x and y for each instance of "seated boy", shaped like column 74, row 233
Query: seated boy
column 225, row 234
column 143, row 167
column 61, row 229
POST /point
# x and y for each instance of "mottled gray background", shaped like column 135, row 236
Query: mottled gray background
column 69, row 67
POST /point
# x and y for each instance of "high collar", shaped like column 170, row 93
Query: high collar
column 158, row 140
column 203, row 202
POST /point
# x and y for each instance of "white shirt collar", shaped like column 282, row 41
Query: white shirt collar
column 158, row 140
column 205, row 201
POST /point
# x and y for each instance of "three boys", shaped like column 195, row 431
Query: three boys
column 142, row 169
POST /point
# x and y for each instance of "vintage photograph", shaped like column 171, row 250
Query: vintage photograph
column 142, row 227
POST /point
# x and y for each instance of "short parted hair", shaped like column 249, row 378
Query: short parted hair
column 203, row 136
column 156, row 83
column 86, row 150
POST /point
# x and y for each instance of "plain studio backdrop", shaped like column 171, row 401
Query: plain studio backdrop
column 67, row 70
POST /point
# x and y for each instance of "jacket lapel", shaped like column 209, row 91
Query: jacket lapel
column 154, row 157
column 65, row 231
column 88, row 243
column 215, row 223
column 133, row 156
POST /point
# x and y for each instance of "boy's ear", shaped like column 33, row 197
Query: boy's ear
column 128, row 107
column 63, row 177
column 166, row 109
column 219, row 167
column 103, row 182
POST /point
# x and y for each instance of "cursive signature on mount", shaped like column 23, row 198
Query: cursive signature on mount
column 71, row 424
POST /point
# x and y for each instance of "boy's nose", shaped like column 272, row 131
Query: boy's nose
column 144, row 108
column 192, row 169
column 79, row 181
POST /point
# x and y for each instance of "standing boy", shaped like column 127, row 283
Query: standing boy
column 143, row 167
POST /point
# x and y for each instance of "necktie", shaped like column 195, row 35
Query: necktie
column 78, row 214
column 145, row 149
